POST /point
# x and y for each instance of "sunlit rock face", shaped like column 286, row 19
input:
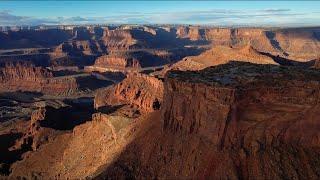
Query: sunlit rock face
column 221, row 55
column 140, row 91
column 294, row 43
column 317, row 63
column 237, row 120
column 24, row 77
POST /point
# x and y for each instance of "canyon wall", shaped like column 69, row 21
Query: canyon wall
column 234, row 121
column 137, row 90
column 82, row 45
column 221, row 55
column 295, row 43
column 317, row 64
column 119, row 61
column 33, row 39
column 35, row 79
column 253, row 123
column 21, row 77
column 118, row 39
column 299, row 43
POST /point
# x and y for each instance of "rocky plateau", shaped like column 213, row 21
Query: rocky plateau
column 160, row 102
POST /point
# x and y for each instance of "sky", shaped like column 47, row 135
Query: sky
column 217, row 13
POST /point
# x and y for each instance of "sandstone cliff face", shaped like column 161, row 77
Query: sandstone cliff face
column 317, row 64
column 81, row 153
column 150, row 30
column 182, row 32
column 83, row 47
column 33, row 39
column 117, row 61
column 221, row 55
column 118, row 39
column 138, row 58
column 257, row 120
column 110, row 134
column 91, row 43
column 135, row 38
column 301, row 44
column 193, row 33
column 219, row 36
column 196, row 33
column 234, row 121
column 137, row 90
column 36, row 79
column 298, row 44
column 26, row 72
column 82, row 33
column 229, row 36
column 35, row 135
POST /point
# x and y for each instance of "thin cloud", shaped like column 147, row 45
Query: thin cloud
column 277, row 10
column 258, row 17
column 8, row 19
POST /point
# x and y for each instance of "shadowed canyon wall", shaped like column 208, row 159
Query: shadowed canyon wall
column 23, row 77
column 233, row 121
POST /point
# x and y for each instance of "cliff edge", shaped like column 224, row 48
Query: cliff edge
column 236, row 121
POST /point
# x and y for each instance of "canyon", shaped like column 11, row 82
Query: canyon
column 81, row 46
column 21, row 77
column 235, row 121
column 160, row 101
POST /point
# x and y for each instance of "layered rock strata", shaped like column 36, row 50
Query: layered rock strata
column 137, row 90
column 221, row 55
column 117, row 61
column 37, row 79
column 234, row 121
column 294, row 43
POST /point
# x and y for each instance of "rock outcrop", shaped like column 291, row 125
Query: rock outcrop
column 11, row 72
column 293, row 43
column 118, row 39
column 139, row 58
column 83, row 152
column 117, row 61
column 81, row 45
column 235, row 121
column 317, row 64
column 139, row 91
column 221, row 55
column 84, row 47
column 193, row 33
column 37, row 79
column 300, row 44
column 33, row 39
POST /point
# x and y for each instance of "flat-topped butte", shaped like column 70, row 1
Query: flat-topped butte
column 246, row 75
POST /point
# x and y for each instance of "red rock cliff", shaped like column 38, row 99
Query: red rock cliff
column 118, row 39
column 234, row 121
column 120, row 61
column 294, row 43
column 317, row 64
column 254, row 119
column 35, row 79
column 139, row 90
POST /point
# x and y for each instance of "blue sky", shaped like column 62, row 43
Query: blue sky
column 224, row 13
